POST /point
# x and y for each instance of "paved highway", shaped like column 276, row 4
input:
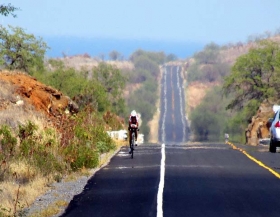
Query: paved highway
column 173, row 126
column 179, row 178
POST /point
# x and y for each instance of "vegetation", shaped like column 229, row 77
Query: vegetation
column 208, row 114
column 143, row 99
column 8, row 9
column 81, row 141
column 208, row 66
column 254, row 77
column 115, row 55
column 21, row 51
column 88, row 140
column 113, row 83
column 77, row 141
column 171, row 57
column 80, row 145
column 156, row 57
column 209, row 55
column 102, row 88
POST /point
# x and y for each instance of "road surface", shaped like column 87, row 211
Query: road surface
column 179, row 178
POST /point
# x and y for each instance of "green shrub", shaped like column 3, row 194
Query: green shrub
column 7, row 142
column 7, row 150
column 38, row 152
column 81, row 155
column 47, row 163
column 90, row 139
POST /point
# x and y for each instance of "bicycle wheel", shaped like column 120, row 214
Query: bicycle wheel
column 132, row 144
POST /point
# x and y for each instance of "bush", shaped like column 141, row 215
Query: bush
column 7, row 149
column 90, row 139
column 39, row 152
column 81, row 155
column 211, row 112
column 8, row 142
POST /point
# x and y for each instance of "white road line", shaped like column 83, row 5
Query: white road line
column 181, row 104
column 161, row 183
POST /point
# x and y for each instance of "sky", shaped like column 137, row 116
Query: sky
column 179, row 21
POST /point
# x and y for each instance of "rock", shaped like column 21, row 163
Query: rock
column 257, row 130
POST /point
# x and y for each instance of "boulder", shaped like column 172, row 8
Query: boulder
column 258, row 129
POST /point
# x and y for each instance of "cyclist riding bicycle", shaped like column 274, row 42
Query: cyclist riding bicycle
column 133, row 125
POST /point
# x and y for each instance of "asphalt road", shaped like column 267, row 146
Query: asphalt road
column 125, row 187
column 178, row 178
column 173, row 125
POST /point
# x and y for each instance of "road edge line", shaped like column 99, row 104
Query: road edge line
column 255, row 160
column 161, row 183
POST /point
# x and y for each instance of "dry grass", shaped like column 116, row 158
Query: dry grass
column 154, row 123
column 38, row 185
column 105, row 158
column 154, row 126
column 17, row 115
column 27, row 193
column 23, row 184
column 59, row 204
column 195, row 94
column 6, row 91
column 80, row 62
column 52, row 209
column 14, row 110
column 130, row 88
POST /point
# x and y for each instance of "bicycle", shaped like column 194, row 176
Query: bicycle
column 132, row 141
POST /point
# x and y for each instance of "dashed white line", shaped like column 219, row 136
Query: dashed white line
column 181, row 104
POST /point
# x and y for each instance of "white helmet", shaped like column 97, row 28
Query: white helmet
column 133, row 113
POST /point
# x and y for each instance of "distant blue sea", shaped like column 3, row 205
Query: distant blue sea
column 96, row 47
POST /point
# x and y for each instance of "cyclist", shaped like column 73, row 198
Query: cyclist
column 133, row 124
column 226, row 137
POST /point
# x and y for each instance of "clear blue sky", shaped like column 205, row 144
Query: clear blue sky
column 202, row 21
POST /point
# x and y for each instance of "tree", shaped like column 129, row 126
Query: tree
column 143, row 98
column 8, row 9
column 21, row 51
column 145, row 63
column 210, row 54
column 171, row 57
column 210, row 112
column 113, row 83
column 93, row 94
column 157, row 57
column 255, row 76
column 114, row 55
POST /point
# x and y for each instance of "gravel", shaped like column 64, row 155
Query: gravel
column 62, row 191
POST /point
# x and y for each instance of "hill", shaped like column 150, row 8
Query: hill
column 35, row 148
column 28, row 99
column 257, row 130
column 86, row 62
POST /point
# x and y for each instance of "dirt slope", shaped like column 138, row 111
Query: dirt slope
column 195, row 94
column 23, row 94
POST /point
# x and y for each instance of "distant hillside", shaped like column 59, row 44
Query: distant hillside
column 230, row 54
column 84, row 61
column 208, row 64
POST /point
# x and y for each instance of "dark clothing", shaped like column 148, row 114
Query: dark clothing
column 133, row 124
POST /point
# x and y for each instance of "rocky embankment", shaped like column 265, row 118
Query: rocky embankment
column 258, row 130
